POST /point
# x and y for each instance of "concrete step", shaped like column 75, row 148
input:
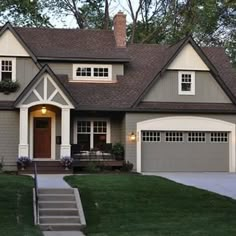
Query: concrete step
column 57, row 204
column 61, row 227
column 59, row 219
column 56, row 191
column 58, row 212
column 56, row 197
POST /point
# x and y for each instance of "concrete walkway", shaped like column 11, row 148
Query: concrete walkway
column 52, row 181
column 218, row 182
column 61, row 233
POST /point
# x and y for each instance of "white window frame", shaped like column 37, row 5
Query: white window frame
column 92, row 120
column 92, row 77
column 13, row 60
column 218, row 137
column 151, row 136
column 178, row 135
column 196, row 137
column 192, row 91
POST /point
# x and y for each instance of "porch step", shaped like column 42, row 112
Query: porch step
column 60, row 210
column 46, row 167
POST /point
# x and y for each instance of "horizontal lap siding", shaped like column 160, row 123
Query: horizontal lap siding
column 9, row 138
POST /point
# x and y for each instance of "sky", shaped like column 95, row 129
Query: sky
column 116, row 6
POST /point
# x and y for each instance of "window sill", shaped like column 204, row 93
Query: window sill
column 94, row 81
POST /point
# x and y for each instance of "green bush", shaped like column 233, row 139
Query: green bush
column 92, row 168
column 8, row 86
column 127, row 166
column 118, row 151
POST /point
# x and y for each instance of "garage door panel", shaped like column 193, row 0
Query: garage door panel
column 184, row 156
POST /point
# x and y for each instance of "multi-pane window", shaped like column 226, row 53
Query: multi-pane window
column 219, row 137
column 174, row 136
column 151, row 136
column 83, row 71
column 7, row 67
column 196, row 137
column 92, row 72
column 100, row 72
column 91, row 134
column 186, row 83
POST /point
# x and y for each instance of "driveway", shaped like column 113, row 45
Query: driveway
column 218, row 182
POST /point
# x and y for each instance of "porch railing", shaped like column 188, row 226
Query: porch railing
column 36, row 193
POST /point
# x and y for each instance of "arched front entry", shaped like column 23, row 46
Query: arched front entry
column 36, row 126
column 185, row 143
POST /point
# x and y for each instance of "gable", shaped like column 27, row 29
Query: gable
column 188, row 59
column 45, row 91
column 10, row 46
column 207, row 89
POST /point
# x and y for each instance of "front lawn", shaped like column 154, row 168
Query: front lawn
column 135, row 205
column 16, row 207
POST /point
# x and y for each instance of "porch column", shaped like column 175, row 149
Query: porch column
column 23, row 149
column 65, row 132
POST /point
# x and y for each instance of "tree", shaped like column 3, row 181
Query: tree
column 87, row 13
column 23, row 13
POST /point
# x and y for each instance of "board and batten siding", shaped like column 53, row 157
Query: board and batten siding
column 131, row 120
column 206, row 89
column 67, row 69
column 25, row 72
column 9, row 138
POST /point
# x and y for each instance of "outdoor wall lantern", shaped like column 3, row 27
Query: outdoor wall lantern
column 44, row 110
column 132, row 136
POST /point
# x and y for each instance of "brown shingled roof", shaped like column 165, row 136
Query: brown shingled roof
column 71, row 43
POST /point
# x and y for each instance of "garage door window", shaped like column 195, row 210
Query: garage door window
column 196, row 137
column 151, row 136
column 174, row 137
column 219, row 137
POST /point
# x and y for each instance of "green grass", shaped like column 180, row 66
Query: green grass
column 16, row 207
column 135, row 205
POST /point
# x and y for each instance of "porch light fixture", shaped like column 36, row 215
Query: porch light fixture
column 44, row 110
column 132, row 136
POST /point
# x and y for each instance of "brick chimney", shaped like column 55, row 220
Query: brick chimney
column 119, row 23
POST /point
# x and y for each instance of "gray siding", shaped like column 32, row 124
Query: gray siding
column 9, row 138
column 25, row 72
column 206, row 90
column 184, row 156
column 115, row 131
column 131, row 119
column 66, row 68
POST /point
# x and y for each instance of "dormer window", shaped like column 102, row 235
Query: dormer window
column 90, row 72
column 8, row 69
column 186, row 83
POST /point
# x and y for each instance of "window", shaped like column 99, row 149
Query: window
column 151, row 136
column 174, row 136
column 219, row 137
column 196, row 137
column 92, row 72
column 92, row 134
column 186, row 83
column 8, row 66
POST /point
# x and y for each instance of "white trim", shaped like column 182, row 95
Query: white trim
column 38, row 114
column 43, row 99
column 13, row 60
column 92, row 78
column 188, row 123
column 108, row 133
column 192, row 91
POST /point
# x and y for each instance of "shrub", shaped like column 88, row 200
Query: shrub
column 118, row 151
column 92, row 168
column 67, row 161
column 23, row 161
column 127, row 166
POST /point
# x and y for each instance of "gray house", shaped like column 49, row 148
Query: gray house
column 172, row 106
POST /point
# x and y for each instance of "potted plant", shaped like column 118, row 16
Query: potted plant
column 118, row 151
column 8, row 86
column 66, row 162
column 23, row 162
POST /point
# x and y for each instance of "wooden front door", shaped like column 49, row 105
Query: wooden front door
column 42, row 137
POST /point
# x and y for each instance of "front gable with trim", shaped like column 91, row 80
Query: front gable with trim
column 168, row 86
